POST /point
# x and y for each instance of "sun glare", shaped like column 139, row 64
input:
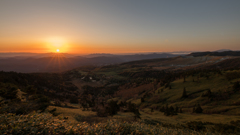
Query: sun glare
column 56, row 44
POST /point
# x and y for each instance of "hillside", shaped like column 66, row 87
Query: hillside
column 187, row 93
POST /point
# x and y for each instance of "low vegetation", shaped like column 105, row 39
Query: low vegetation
column 41, row 123
column 131, row 98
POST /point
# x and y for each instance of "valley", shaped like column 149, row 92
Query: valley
column 184, row 92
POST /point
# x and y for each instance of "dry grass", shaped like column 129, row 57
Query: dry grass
column 146, row 113
column 79, row 83
column 71, row 113
column 185, row 117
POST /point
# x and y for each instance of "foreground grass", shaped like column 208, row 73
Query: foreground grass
column 146, row 113
column 45, row 123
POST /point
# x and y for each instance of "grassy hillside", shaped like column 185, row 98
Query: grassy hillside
column 222, row 93
column 171, row 94
column 46, row 124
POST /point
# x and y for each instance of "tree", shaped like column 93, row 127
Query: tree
column 10, row 92
column 194, row 110
column 151, row 109
column 171, row 111
column 176, row 109
column 30, row 90
column 161, row 90
column 207, row 94
column 121, row 104
column 180, row 111
column 236, row 85
column 142, row 100
column 184, row 94
column 184, row 79
column 74, row 100
column 166, row 112
column 133, row 108
column 101, row 112
column 137, row 114
column 112, row 108
column 162, row 109
column 207, row 76
column 198, row 109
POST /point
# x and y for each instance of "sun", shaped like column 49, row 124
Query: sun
column 57, row 45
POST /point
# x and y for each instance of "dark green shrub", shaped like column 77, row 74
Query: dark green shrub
column 236, row 85
column 137, row 114
column 151, row 109
column 180, row 111
column 232, row 75
column 101, row 112
column 225, row 128
column 112, row 108
column 9, row 92
column 198, row 109
column 176, row 109
column 162, row 109
column 235, row 123
column 53, row 110
column 167, row 112
column 142, row 100
column 74, row 100
column 21, row 110
column 195, row 125
column 208, row 94
column 184, row 94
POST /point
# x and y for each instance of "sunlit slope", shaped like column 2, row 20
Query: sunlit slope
column 223, row 97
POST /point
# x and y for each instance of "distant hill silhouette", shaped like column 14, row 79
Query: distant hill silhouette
column 222, row 50
column 225, row 53
column 59, row 62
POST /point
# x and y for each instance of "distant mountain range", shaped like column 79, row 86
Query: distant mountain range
column 216, row 53
column 56, row 62
column 222, row 50
column 32, row 55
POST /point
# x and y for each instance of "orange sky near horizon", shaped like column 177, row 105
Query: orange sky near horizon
column 83, row 27
column 88, row 48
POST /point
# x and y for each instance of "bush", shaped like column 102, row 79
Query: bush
column 112, row 108
column 208, row 94
column 236, row 123
column 74, row 100
column 21, row 110
column 196, row 125
column 225, row 128
column 162, row 109
column 232, row 75
column 45, row 123
column 142, row 100
column 9, row 92
column 198, row 109
column 101, row 112
column 236, row 85
column 169, row 111
column 184, row 94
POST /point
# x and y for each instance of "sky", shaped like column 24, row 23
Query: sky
column 119, row 26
